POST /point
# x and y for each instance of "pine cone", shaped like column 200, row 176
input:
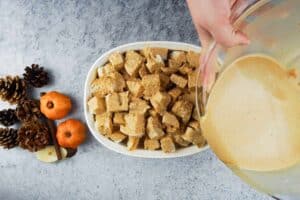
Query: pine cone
column 8, row 117
column 36, row 76
column 8, row 137
column 33, row 136
column 28, row 110
column 12, row 89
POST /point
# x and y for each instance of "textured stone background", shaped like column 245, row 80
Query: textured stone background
column 67, row 37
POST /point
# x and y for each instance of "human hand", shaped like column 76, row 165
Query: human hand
column 212, row 21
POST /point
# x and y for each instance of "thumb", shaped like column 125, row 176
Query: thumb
column 228, row 37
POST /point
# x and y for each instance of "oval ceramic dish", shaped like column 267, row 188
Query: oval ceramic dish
column 119, row 147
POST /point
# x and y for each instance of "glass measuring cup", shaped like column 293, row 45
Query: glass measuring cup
column 273, row 27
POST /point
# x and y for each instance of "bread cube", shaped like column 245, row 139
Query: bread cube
column 96, row 105
column 173, row 64
column 151, row 144
column 194, row 136
column 178, row 57
column 119, row 118
column 170, row 120
column 193, row 58
column 192, row 80
column 151, row 84
column 134, row 125
column 154, row 128
column 185, row 69
column 135, row 87
column 169, row 70
column 117, row 137
column 117, row 76
column 200, row 141
column 106, row 84
column 106, row 69
column 125, row 75
column 119, row 80
column 180, row 141
column 104, row 124
column 183, row 109
column 189, row 96
column 153, row 113
column 164, row 80
column 160, row 101
column 178, row 80
column 167, row 145
column 117, row 61
column 182, row 128
column 171, row 130
column 117, row 102
column 175, row 93
column 154, row 64
column 132, row 143
column 132, row 67
column 189, row 134
column 150, row 52
column 139, row 106
column 133, row 62
column 195, row 125
column 133, row 55
column 103, row 86
column 100, row 71
column 143, row 71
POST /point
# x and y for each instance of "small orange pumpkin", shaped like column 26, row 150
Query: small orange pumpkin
column 70, row 133
column 55, row 105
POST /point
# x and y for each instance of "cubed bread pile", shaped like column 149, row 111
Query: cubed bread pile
column 146, row 99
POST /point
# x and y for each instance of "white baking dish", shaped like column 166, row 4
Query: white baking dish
column 119, row 147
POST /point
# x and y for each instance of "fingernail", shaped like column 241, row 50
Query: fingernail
column 244, row 40
column 247, row 41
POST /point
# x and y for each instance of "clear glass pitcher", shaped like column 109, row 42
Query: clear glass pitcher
column 273, row 27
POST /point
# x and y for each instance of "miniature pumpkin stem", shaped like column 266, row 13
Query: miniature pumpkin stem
column 68, row 134
column 50, row 104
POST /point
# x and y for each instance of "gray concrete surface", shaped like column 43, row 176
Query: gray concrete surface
column 67, row 37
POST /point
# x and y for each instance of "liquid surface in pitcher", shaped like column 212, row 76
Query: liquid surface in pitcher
column 252, row 118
